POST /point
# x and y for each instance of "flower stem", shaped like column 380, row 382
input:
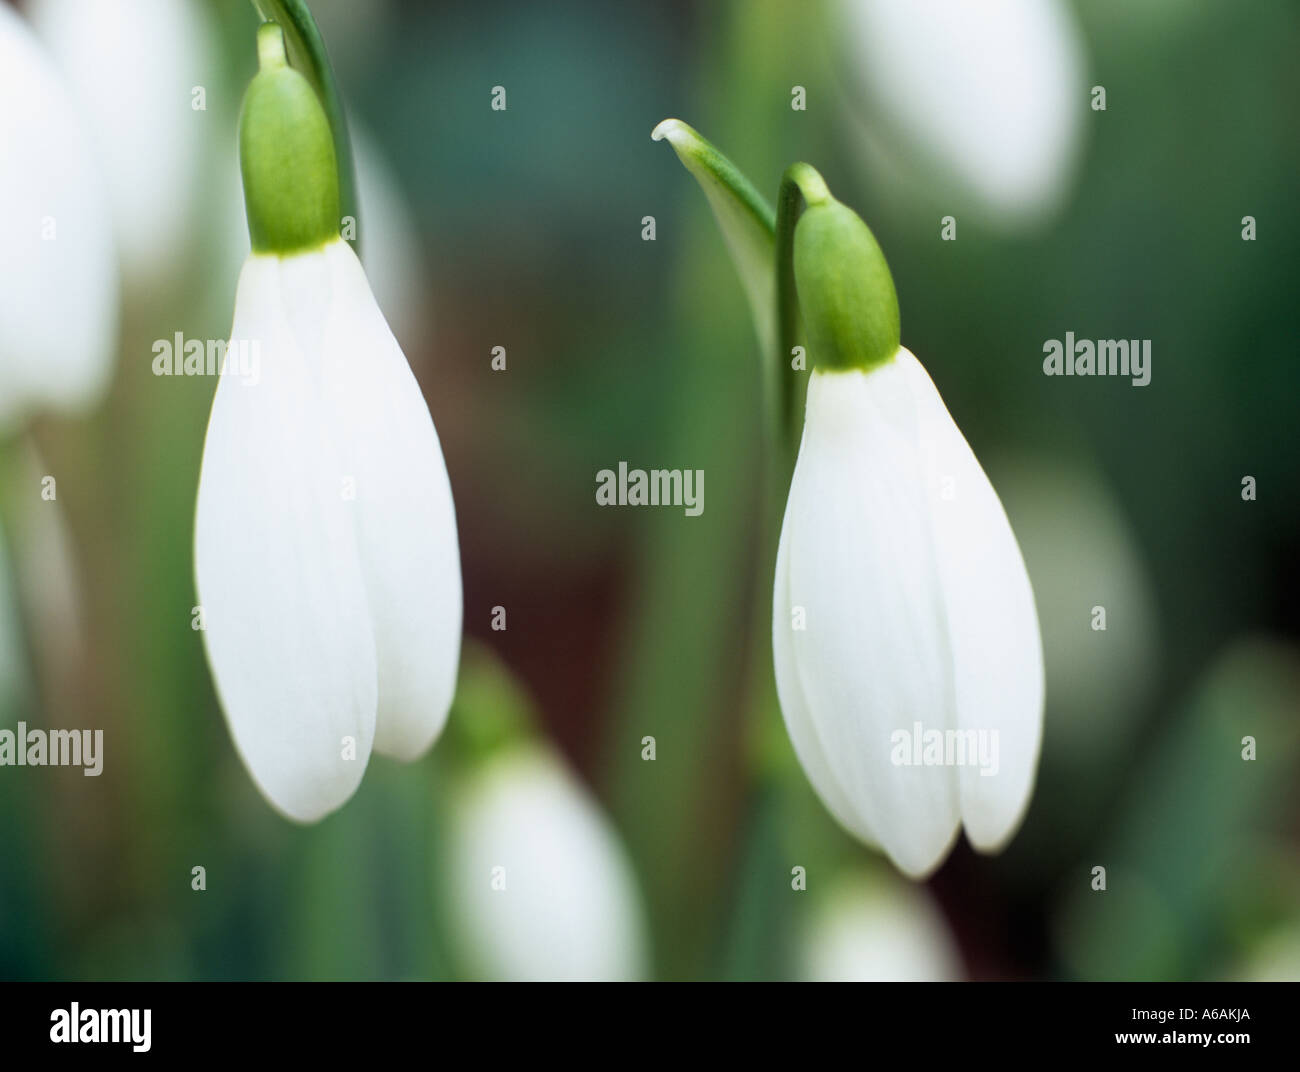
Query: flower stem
column 800, row 185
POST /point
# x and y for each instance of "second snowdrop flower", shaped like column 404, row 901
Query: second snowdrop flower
column 58, row 274
column 902, row 605
column 326, row 554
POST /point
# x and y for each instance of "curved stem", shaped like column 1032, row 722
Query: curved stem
column 800, row 185
column 307, row 54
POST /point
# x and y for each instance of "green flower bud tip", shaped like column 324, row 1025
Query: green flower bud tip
column 846, row 294
column 286, row 155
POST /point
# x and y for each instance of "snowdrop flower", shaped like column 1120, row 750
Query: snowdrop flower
column 325, row 539
column 990, row 94
column 903, row 614
column 58, row 275
column 134, row 66
column 540, row 886
column 873, row 929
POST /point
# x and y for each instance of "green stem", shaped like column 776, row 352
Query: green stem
column 307, row 54
column 800, row 185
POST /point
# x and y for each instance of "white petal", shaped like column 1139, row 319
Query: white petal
column 406, row 522
column 993, row 92
column 133, row 65
column 993, row 627
column 569, row 909
column 58, row 275
column 874, row 657
column 794, row 708
column 287, row 625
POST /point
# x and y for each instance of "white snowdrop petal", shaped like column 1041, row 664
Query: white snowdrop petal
column 992, row 624
column 874, row 658
column 403, row 510
column 541, row 887
column 287, row 624
column 799, row 724
column 58, row 275
column 992, row 91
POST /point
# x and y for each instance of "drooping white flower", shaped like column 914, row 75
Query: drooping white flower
column 539, row 885
column 58, row 274
column 135, row 67
column 908, row 658
column 326, row 554
column 992, row 94
column 876, row 929
column 916, row 609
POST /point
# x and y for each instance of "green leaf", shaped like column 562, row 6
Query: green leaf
column 747, row 222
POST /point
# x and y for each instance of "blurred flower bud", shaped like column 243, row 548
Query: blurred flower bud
column 872, row 928
column 539, row 885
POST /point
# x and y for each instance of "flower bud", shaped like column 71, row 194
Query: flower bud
column 286, row 153
column 846, row 294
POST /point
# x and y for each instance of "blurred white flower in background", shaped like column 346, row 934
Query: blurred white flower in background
column 133, row 66
column 873, row 928
column 1275, row 958
column 984, row 101
column 567, row 906
column 58, row 273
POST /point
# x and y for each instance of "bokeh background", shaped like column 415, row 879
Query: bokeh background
column 523, row 229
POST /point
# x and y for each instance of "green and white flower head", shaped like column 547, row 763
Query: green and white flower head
column 900, row 596
column 538, row 882
column 59, row 291
column 326, row 553
column 392, row 255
